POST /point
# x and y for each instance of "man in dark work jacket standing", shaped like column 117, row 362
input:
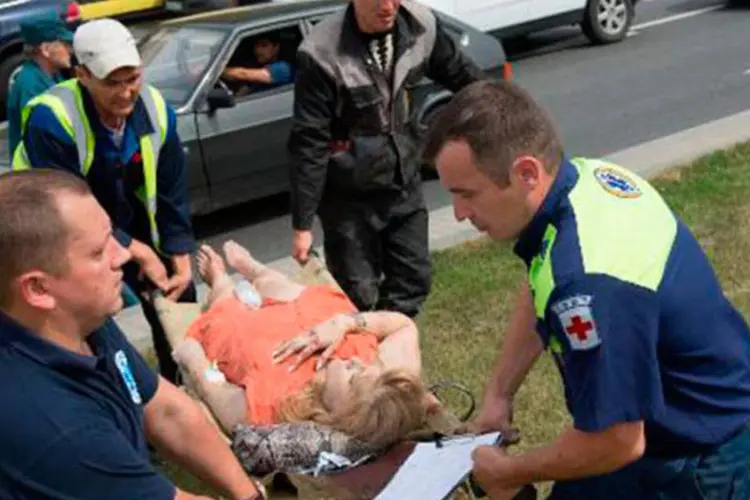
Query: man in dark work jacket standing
column 355, row 154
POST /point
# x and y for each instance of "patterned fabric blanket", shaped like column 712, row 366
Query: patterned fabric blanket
column 294, row 448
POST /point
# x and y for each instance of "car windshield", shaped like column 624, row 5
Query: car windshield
column 176, row 58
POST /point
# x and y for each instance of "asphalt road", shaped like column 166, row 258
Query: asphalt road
column 686, row 63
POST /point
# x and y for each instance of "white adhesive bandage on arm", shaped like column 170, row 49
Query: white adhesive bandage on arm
column 247, row 294
column 213, row 375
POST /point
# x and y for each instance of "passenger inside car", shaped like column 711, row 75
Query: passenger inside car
column 271, row 70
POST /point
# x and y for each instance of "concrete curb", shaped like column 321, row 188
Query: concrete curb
column 647, row 159
column 650, row 158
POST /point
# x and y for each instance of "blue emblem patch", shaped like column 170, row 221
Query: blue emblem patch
column 617, row 183
column 121, row 361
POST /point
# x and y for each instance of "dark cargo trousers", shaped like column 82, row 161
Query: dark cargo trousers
column 377, row 248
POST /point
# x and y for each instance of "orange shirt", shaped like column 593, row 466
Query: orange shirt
column 240, row 340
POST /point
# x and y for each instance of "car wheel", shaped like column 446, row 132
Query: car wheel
column 6, row 69
column 607, row 21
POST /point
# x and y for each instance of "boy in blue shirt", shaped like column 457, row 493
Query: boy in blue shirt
column 272, row 71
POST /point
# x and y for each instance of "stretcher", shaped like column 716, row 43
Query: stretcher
column 366, row 475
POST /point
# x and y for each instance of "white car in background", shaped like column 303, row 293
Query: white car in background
column 602, row 21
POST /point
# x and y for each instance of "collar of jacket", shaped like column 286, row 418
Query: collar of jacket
column 138, row 120
column 407, row 30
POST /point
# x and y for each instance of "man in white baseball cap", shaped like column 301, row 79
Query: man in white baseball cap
column 107, row 51
column 105, row 45
column 121, row 136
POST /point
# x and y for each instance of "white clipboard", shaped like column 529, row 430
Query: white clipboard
column 435, row 469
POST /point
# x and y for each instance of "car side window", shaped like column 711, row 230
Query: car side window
column 262, row 62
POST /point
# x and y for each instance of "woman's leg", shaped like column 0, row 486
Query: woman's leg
column 269, row 283
column 213, row 272
column 225, row 400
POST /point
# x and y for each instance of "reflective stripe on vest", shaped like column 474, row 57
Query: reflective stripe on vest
column 66, row 103
column 629, row 239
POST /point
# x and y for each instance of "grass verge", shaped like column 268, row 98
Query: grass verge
column 474, row 286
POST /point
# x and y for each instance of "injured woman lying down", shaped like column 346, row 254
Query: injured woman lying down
column 301, row 353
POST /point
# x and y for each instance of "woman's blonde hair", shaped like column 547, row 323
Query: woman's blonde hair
column 380, row 413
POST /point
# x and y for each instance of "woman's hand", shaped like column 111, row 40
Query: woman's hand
column 326, row 337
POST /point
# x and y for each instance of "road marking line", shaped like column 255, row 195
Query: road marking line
column 676, row 17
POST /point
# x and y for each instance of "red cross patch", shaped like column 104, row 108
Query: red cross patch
column 577, row 320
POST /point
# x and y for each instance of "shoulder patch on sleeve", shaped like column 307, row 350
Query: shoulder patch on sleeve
column 122, row 364
column 577, row 320
column 617, row 182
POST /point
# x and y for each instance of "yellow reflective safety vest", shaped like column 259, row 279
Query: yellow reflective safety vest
column 66, row 103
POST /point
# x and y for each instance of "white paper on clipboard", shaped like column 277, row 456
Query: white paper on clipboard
column 432, row 472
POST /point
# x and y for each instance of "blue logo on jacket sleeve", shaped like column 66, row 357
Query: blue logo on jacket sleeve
column 121, row 361
column 617, row 183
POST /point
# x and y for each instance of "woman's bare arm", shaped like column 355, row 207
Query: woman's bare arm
column 382, row 324
column 397, row 334
column 398, row 337
column 226, row 400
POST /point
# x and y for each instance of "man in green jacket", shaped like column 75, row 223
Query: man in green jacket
column 48, row 52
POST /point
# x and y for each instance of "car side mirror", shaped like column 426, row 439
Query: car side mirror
column 219, row 97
